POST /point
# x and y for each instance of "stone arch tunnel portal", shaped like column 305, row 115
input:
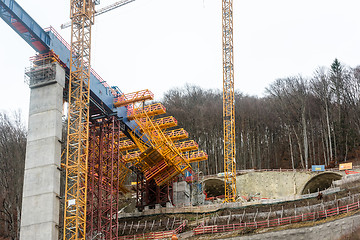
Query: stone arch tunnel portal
column 214, row 187
column 320, row 182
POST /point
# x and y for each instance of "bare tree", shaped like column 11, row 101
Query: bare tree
column 12, row 159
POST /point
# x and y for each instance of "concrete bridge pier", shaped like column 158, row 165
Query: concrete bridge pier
column 40, row 202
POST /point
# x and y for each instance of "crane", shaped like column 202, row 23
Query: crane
column 228, row 101
column 103, row 10
column 82, row 18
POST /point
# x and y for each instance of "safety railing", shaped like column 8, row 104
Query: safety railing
column 201, row 229
column 126, row 144
column 177, row 134
column 186, row 145
column 67, row 45
column 196, row 156
column 149, row 110
column 162, row 123
column 193, row 156
column 166, row 122
column 293, row 170
column 61, row 39
column 128, row 98
column 131, row 156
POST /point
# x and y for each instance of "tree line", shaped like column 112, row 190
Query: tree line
column 12, row 164
column 301, row 121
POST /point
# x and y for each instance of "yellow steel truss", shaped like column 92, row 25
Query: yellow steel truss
column 186, row 149
column 82, row 17
column 228, row 101
column 160, row 159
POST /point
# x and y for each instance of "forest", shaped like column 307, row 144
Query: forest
column 299, row 122
column 12, row 164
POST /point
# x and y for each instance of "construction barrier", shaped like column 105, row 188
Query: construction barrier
column 155, row 235
column 201, row 229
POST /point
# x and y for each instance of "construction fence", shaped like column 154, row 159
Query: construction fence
column 156, row 235
column 312, row 216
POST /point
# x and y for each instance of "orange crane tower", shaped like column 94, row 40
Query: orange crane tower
column 82, row 17
column 228, row 101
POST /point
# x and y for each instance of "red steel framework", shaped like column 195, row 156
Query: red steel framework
column 148, row 193
column 106, row 176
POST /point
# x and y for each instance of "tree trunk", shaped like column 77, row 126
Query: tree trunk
column 306, row 145
column 329, row 130
column 335, row 150
column 300, row 149
column 324, row 148
column 313, row 147
column 291, row 151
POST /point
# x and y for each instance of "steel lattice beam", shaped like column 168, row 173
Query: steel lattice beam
column 228, row 101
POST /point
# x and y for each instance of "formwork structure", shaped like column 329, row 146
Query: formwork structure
column 106, row 176
column 157, row 158
column 155, row 152
column 148, row 194
column 42, row 69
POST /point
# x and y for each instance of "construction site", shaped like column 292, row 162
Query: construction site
column 118, row 167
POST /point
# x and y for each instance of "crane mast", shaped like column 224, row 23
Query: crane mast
column 228, row 101
column 82, row 17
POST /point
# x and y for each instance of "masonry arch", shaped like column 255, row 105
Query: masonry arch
column 320, row 182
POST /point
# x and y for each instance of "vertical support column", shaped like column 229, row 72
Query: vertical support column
column 40, row 204
column 140, row 191
column 104, row 180
column 92, row 198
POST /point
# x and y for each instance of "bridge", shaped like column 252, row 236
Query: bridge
column 109, row 134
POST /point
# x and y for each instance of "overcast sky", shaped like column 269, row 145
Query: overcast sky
column 162, row 44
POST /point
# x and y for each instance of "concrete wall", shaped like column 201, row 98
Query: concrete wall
column 181, row 196
column 272, row 184
column 277, row 184
column 40, row 205
column 283, row 184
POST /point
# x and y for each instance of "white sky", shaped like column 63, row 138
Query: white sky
column 161, row 44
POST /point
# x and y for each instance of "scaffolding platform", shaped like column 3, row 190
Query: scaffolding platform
column 177, row 134
column 165, row 122
column 126, row 99
column 186, row 146
column 127, row 144
column 149, row 111
column 196, row 156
